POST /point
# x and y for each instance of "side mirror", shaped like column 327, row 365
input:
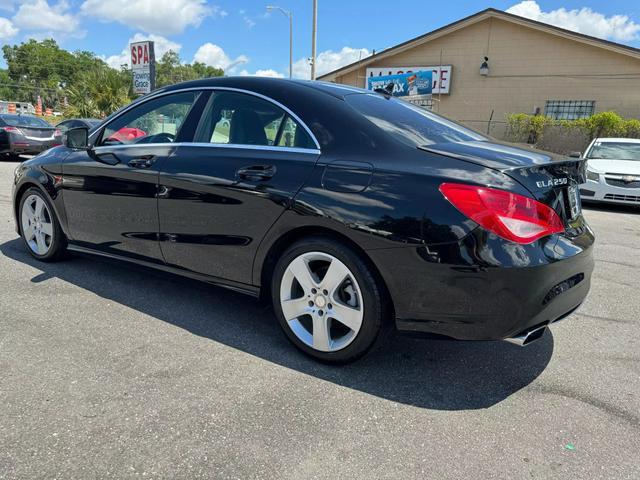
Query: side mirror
column 77, row 138
column 575, row 154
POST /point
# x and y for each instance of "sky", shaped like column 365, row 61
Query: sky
column 241, row 37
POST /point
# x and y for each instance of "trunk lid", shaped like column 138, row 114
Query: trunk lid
column 33, row 133
column 552, row 179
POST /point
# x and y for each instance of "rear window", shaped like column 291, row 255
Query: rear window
column 615, row 151
column 408, row 123
column 25, row 121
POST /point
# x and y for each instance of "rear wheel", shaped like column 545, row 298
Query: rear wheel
column 327, row 300
column 40, row 228
column 9, row 157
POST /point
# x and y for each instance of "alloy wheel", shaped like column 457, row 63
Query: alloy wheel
column 321, row 301
column 37, row 225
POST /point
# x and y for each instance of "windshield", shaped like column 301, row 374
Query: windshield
column 25, row 121
column 615, row 151
column 410, row 124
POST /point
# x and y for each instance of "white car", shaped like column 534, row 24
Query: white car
column 613, row 171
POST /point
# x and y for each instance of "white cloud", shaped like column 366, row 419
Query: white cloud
column 161, row 46
column 616, row 27
column 328, row 61
column 214, row 56
column 248, row 21
column 269, row 72
column 7, row 29
column 158, row 16
column 38, row 15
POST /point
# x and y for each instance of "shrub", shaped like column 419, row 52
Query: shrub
column 522, row 127
column 632, row 128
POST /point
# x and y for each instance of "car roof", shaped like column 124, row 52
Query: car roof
column 267, row 84
column 617, row 140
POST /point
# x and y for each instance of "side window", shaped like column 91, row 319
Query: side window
column 293, row 135
column 155, row 121
column 242, row 119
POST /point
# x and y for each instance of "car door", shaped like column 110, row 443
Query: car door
column 110, row 191
column 219, row 195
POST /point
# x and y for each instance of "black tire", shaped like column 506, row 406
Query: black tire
column 58, row 245
column 9, row 157
column 375, row 307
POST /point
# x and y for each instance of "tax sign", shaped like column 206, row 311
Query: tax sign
column 143, row 66
column 440, row 75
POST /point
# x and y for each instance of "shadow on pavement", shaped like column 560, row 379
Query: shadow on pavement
column 435, row 374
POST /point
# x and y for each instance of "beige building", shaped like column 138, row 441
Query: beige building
column 532, row 67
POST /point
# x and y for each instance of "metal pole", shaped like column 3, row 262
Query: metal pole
column 290, row 15
column 290, row 45
column 313, row 39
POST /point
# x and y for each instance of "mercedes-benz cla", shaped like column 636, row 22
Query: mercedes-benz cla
column 350, row 210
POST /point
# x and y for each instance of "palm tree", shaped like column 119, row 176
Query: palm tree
column 98, row 92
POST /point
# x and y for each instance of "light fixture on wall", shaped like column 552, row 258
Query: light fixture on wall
column 484, row 67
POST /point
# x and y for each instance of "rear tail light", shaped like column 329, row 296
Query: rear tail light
column 511, row 216
column 57, row 133
column 10, row 129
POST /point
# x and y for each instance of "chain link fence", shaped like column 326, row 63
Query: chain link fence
column 555, row 138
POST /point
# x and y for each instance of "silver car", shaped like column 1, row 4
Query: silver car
column 613, row 171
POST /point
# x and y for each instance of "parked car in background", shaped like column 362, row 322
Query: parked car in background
column 26, row 134
column 88, row 123
column 350, row 210
column 613, row 171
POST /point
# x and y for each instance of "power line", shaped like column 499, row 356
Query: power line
column 15, row 85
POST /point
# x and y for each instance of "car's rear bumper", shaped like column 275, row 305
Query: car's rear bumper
column 28, row 147
column 486, row 288
column 601, row 191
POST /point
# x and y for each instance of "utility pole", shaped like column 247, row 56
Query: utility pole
column 286, row 13
column 290, row 45
column 314, row 34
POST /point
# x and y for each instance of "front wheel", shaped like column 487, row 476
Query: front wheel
column 41, row 231
column 327, row 300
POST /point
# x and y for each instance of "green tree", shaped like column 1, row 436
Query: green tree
column 6, row 90
column 170, row 70
column 98, row 92
column 91, row 87
column 43, row 68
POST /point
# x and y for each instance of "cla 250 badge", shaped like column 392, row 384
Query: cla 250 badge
column 554, row 182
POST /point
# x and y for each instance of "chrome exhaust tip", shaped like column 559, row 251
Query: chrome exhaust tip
column 528, row 336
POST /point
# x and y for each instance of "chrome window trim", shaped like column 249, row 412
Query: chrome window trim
column 228, row 89
column 237, row 146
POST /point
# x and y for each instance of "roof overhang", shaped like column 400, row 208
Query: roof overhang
column 476, row 18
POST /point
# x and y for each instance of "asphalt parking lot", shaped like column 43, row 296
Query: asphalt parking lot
column 110, row 371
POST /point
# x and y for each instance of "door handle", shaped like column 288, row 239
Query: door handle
column 142, row 162
column 106, row 158
column 256, row 172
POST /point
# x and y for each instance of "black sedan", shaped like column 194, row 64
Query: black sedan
column 350, row 210
column 26, row 134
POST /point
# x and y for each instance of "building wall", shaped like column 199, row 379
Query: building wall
column 527, row 68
